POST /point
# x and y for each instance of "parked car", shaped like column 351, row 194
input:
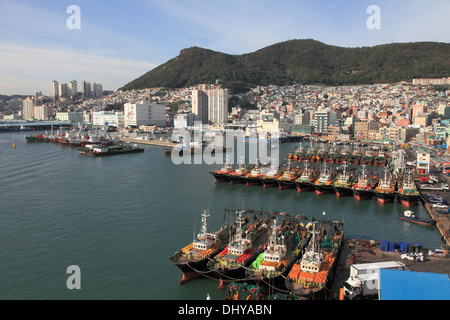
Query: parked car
column 439, row 206
column 437, row 253
column 412, row 256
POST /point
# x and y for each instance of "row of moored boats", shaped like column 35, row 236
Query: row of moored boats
column 341, row 181
column 265, row 255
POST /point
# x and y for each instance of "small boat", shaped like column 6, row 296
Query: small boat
column 409, row 215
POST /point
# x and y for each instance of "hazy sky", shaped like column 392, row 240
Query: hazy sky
column 120, row 40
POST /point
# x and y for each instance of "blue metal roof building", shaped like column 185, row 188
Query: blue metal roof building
column 412, row 285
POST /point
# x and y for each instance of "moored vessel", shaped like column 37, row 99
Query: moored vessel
column 313, row 273
column 364, row 187
column 306, row 181
column 324, row 184
column 222, row 174
column 100, row 150
column 284, row 247
column 385, row 191
column 192, row 259
column 287, row 179
column 343, row 185
column 407, row 193
column 247, row 241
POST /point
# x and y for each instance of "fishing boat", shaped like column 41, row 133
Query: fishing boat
column 269, row 178
column 306, row 180
column 284, row 247
column 193, row 258
column 385, row 191
column 287, row 179
column 35, row 138
column 253, row 177
column 247, row 242
column 237, row 176
column 364, row 187
column 313, row 274
column 101, row 151
column 407, row 193
column 409, row 215
column 343, row 185
column 222, row 174
column 325, row 182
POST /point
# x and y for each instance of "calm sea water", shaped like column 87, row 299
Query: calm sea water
column 120, row 218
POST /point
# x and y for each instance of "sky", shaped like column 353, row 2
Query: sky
column 114, row 41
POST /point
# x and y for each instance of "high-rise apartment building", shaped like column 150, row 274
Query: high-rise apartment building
column 200, row 105
column 210, row 104
column 73, row 90
column 28, row 108
column 54, row 90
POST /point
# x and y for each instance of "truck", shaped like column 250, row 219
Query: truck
column 363, row 281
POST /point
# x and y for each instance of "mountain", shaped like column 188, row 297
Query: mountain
column 301, row 61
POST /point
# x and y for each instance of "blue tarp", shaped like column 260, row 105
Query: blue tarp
column 412, row 285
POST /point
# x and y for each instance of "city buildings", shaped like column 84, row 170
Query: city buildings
column 108, row 118
column 144, row 113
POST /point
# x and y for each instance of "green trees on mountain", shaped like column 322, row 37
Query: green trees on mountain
column 301, row 61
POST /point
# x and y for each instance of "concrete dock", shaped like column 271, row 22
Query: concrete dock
column 159, row 143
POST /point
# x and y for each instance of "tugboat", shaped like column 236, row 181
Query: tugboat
column 287, row 180
column 237, row 176
column 284, row 247
column 306, row 180
column 407, row 192
column 222, row 174
column 364, row 188
column 193, row 258
column 253, row 177
column 408, row 215
column 325, row 182
column 312, row 275
column 385, row 192
column 343, row 185
column 247, row 242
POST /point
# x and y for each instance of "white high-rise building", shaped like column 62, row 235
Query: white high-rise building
column 144, row 113
column 28, row 108
column 54, row 90
column 43, row 112
column 73, row 90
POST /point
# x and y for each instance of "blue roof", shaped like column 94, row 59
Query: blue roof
column 412, row 285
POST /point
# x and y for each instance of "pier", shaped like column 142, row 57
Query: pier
column 158, row 143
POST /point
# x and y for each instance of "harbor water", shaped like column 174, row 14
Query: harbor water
column 119, row 219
